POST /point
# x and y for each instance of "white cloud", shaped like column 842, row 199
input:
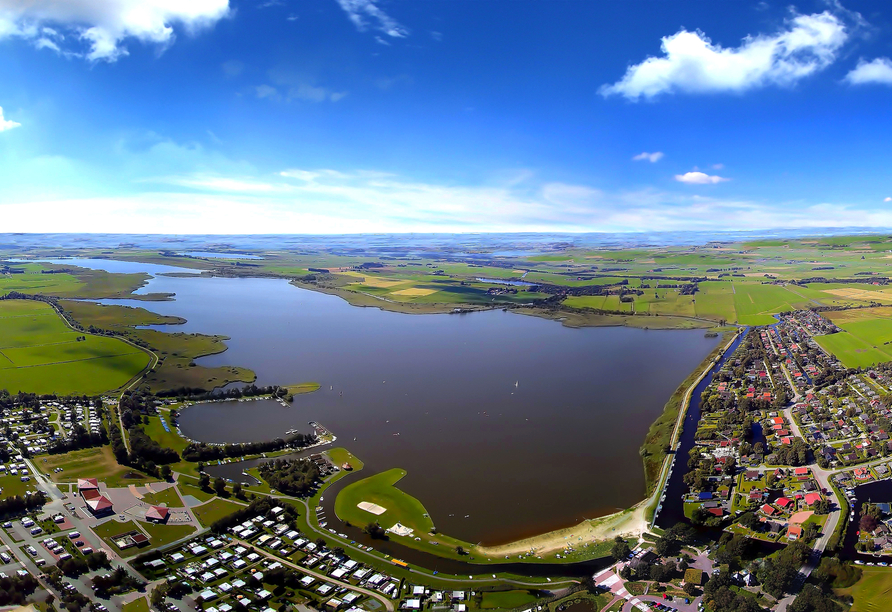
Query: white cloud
column 651, row 157
column 233, row 68
column 361, row 12
column 7, row 124
column 691, row 63
column 699, row 178
column 291, row 86
column 876, row 71
column 266, row 91
column 887, row 200
column 718, row 166
column 103, row 25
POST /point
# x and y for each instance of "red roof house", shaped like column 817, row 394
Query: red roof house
column 157, row 514
column 86, row 484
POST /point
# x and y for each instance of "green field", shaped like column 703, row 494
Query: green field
column 379, row 489
column 140, row 604
column 214, row 510
column 507, row 599
column 96, row 463
column 873, row 592
column 168, row 497
column 39, row 353
column 13, row 485
column 160, row 535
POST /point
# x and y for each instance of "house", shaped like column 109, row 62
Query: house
column 769, row 510
column 157, row 514
column 87, row 484
column 97, row 504
column 794, row 532
column 812, row 498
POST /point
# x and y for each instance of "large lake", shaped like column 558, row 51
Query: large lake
column 518, row 422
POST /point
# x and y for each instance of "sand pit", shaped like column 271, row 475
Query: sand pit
column 373, row 508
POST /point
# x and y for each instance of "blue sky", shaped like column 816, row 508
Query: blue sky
column 341, row 116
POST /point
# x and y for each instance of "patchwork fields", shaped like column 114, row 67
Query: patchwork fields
column 39, row 353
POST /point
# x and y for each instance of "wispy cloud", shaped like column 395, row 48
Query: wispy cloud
column 651, row 157
column 692, row 63
column 699, row 178
column 7, row 124
column 875, row 71
column 103, row 26
column 366, row 13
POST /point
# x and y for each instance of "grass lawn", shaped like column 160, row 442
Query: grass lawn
column 507, row 599
column 187, row 488
column 140, row 604
column 111, row 529
column 168, row 497
column 873, row 592
column 379, row 489
column 165, row 534
column 853, row 351
column 755, row 302
column 41, row 354
column 12, row 485
column 214, row 510
column 307, row 387
column 96, row 463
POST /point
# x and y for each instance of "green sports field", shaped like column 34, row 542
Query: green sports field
column 379, row 489
column 39, row 353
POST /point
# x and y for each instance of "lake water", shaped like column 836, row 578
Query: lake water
column 516, row 421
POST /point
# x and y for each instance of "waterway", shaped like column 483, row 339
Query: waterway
column 671, row 510
column 516, row 422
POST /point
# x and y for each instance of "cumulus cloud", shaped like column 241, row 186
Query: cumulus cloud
column 692, row 63
column 699, row 178
column 887, row 200
column 651, row 157
column 876, row 71
column 97, row 29
column 367, row 13
column 6, row 124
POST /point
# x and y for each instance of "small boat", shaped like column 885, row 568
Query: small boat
column 516, row 384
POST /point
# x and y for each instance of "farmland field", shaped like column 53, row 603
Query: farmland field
column 866, row 339
column 39, row 353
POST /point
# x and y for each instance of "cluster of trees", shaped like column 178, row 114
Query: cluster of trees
column 375, row 531
column 199, row 451
column 261, row 505
column 295, row 477
column 78, row 439
column 20, row 504
column 796, row 453
column 198, row 393
column 870, row 517
column 145, row 449
column 116, row 582
column 14, row 590
column 78, row 565
column 778, row 573
column 145, row 453
column 719, row 596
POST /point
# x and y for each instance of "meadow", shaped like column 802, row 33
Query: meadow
column 176, row 351
column 379, row 489
column 39, row 353
column 866, row 338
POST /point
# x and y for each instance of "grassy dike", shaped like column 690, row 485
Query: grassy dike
column 663, row 431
